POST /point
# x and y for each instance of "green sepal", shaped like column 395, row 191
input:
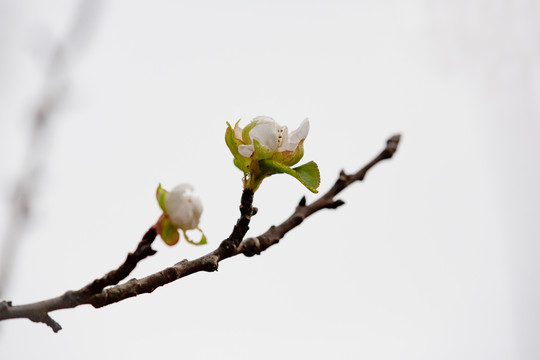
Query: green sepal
column 239, row 165
column 245, row 132
column 240, row 161
column 169, row 233
column 230, row 140
column 261, row 152
column 161, row 194
column 290, row 158
column 201, row 242
column 308, row 174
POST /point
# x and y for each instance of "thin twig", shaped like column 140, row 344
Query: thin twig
column 98, row 296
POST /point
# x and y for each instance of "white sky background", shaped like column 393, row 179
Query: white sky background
column 434, row 256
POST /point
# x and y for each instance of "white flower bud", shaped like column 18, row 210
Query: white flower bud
column 184, row 207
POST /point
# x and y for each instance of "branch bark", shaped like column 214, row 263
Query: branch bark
column 105, row 291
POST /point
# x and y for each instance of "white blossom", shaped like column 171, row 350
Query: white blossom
column 272, row 137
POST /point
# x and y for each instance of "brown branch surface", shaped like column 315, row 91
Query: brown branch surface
column 105, row 291
column 39, row 312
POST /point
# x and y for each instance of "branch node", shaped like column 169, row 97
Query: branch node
column 343, row 179
column 69, row 297
column 335, row 204
column 210, row 263
column 4, row 307
column 251, row 247
column 45, row 319
column 4, row 304
column 182, row 262
column 227, row 247
column 297, row 219
column 391, row 146
column 49, row 321
column 254, row 211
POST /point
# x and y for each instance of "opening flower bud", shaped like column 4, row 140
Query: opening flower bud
column 182, row 209
column 264, row 148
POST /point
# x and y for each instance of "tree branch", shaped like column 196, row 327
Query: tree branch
column 38, row 312
column 98, row 295
column 253, row 246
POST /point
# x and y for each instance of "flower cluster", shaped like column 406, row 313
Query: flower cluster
column 265, row 148
column 182, row 210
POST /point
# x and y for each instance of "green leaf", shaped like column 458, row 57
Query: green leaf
column 161, row 194
column 307, row 174
column 169, row 233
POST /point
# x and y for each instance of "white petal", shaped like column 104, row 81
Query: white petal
column 184, row 207
column 264, row 119
column 237, row 132
column 197, row 208
column 284, row 134
column 246, row 150
column 265, row 132
column 183, row 218
column 301, row 133
column 182, row 188
column 295, row 137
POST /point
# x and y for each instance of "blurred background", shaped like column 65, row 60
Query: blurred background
column 434, row 255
